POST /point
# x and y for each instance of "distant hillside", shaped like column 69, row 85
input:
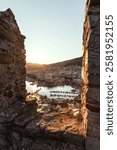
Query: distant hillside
column 34, row 66
column 74, row 61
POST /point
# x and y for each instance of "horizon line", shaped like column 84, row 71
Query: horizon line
column 52, row 62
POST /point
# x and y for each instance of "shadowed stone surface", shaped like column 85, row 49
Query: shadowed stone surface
column 90, row 95
column 12, row 60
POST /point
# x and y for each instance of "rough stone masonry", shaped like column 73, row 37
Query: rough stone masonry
column 20, row 125
column 12, row 60
column 91, row 74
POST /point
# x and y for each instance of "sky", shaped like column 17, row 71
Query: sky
column 53, row 28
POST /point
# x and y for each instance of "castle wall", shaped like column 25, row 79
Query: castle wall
column 12, row 60
column 91, row 74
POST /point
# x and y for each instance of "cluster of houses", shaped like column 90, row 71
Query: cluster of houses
column 57, row 76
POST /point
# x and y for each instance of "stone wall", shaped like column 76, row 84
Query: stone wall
column 21, row 126
column 91, row 74
column 12, row 60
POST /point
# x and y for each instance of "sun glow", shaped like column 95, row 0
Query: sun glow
column 36, row 57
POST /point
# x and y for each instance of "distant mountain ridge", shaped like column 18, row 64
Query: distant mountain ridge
column 35, row 66
column 74, row 61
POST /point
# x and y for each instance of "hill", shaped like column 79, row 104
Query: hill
column 35, row 66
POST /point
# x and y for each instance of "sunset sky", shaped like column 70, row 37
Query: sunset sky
column 53, row 28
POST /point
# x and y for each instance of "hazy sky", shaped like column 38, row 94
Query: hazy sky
column 53, row 28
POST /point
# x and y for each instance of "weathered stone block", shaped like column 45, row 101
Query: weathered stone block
column 93, row 124
column 93, row 19
column 92, row 107
column 90, row 94
column 94, row 79
column 5, row 59
column 93, row 95
column 93, row 2
column 92, row 143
